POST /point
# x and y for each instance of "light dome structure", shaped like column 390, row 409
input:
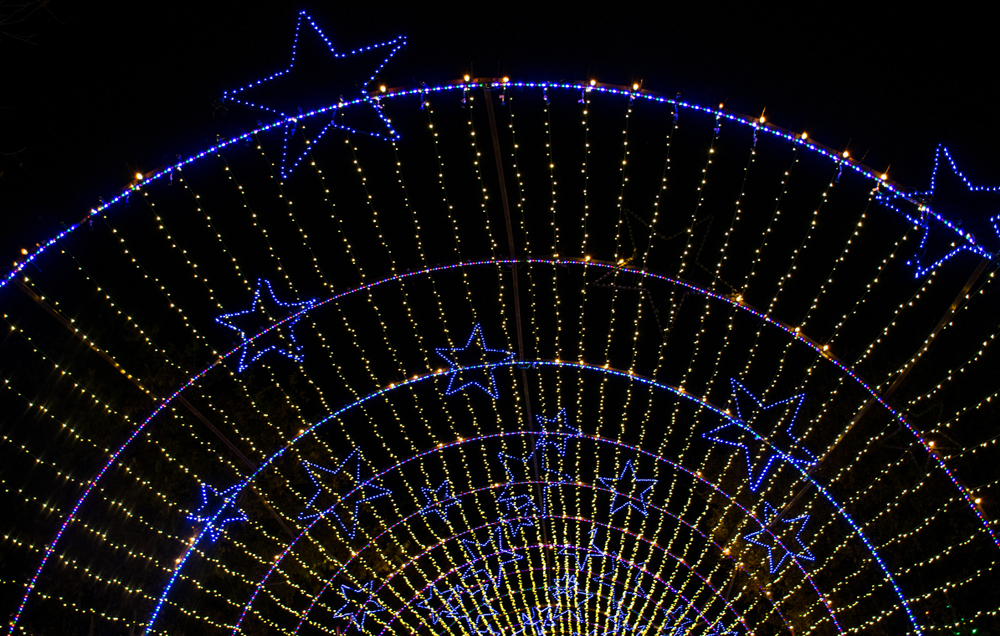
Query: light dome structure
column 503, row 357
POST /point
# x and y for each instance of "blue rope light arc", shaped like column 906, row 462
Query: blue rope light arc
column 464, row 85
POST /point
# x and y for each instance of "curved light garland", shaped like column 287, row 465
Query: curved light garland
column 886, row 189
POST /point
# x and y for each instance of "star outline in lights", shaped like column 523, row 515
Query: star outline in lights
column 591, row 550
column 485, row 365
column 439, row 505
column 361, row 613
column 763, row 446
column 215, row 528
column 769, row 517
column 642, row 508
column 496, row 534
column 357, row 494
column 290, row 123
column 251, row 346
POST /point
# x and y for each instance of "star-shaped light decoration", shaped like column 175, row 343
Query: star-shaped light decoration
column 761, row 454
column 942, row 239
column 266, row 325
column 591, row 550
column 768, row 539
column 480, row 358
column 440, row 499
column 279, row 94
column 558, row 424
column 206, row 511
column 568, row 586
column 362, row 493
column 359, row 604
column 494, row 546
column 627, row 500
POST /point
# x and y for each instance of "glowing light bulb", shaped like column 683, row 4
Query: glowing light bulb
column 506, row 79
column 593, row 82
column 382, row 88
column 138, row 176
column 846, row 154
column 805, row 135
column 635, row 87
column 467, row 78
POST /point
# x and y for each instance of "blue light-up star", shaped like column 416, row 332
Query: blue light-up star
column 576, row 596
column 474, row 354
column 360, row 603
column 281, row 93
column 500, row 551
column 440, row 499
column 261, row 321
column 768, row 540
column 450, row 610
column 558, row 424
column 362, row 493
column 205, row 512
column 760, row 454
column 588, row 551
column 609, row 483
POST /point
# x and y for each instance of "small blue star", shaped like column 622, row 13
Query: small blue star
column 440, row 499
column 265, row 321
column 590, row 550
column 281, row 89
column 770, row 541
column 214, row 529
column 760, row 454
column 496, row 543
column 481, row 359
column 607, row 482
column 357, row 496
column 359, row 604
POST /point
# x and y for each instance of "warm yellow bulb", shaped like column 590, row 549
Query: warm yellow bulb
column 805, row 135
column 382, row 88
column 593, row 82
column 138, row 176
column 635, row 87
column 846, row 154
column 467, row 78
column 506, row 79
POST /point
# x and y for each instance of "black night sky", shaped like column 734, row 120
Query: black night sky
column 104, row 91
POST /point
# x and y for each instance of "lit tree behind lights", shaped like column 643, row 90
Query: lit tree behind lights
column 499, row 357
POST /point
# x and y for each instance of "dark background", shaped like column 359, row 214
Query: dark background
column 103, row 90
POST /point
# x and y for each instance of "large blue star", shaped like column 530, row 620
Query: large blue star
column 769, row 541
column 609, row 483
column 266, row 324
column 205, row 512
column 472, row 365
column 281, row 102
column 760, row 453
